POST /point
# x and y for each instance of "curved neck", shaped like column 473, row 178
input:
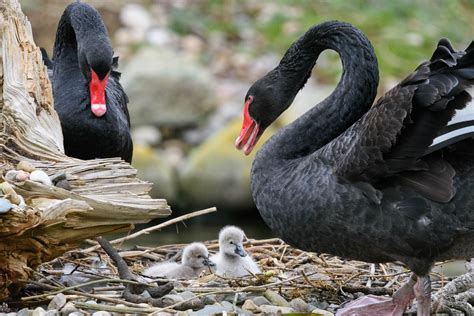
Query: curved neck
column 81, row 35
column 352, row 97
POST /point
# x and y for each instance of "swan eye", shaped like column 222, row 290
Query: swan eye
column 231, row 242
column 250, row 99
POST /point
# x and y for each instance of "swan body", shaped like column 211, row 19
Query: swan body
column 385, row 182
column 88, row 97
column 195, row 260
column 232, row 260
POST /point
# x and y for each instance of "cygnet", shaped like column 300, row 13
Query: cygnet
column 232, row 260
column 195, row 260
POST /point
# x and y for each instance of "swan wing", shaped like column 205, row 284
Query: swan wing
column 393, row 137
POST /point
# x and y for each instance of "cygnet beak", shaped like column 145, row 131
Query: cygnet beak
column 208, row 262
column 240, row 251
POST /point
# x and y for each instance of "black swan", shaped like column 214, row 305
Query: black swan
column 88, row 97
column 386, row 182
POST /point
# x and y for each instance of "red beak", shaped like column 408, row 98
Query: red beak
column 249, row 133
column 97, row 90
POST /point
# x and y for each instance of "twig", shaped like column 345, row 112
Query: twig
column 156, row 227
column 117, row 309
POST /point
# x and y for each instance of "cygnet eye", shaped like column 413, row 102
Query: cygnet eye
column 231, row 242
column 199, row 256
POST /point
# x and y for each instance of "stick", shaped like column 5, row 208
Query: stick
column 156, row 227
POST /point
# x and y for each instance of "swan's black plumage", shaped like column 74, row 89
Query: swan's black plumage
column 359, row 181
column 82, row 45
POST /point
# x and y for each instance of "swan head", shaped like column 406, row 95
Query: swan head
column 231, row 240
column 263, row 104
column 196, row 256
column 96, row 58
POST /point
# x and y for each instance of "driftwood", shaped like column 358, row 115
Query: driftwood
column 104, row 196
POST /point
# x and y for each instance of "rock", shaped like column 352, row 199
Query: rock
column 275, row 298
column 39, row 311
column 58, row 302
column 171, row 299
column 271, row 309
column 25, row 166
column 153, row 168
column 323, row 305
column 68, row 308
column 250, row 306
column 216, row 171
column 41, row 177
column 5, row 205
column 17, row 176
column 227, row 305
column 191, row 300
column 241, row 297
column 52, row 312
column 260, row 300
column 321, row 312
column 23, row 312
column 146, row 135
column 209, row 310
column 101, row 313
column 209, row 299
column 161, row 314
column 166, row 88
column 78, row 313
column 299, row 305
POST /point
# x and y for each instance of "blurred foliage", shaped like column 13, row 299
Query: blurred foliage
column 403, row 32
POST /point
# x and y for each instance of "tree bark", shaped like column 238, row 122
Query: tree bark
column 105, row 195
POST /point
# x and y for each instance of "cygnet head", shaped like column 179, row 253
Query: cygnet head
column 231, row 240
column 196, row 256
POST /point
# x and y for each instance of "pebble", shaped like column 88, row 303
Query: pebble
column 170, row 299
column 209, row 310
column 250, row 306
column 209, row 299
column 101, row 313
column 68, row 308
column 271, row 309
column 275, row 298
column 38, row 311
column 227, row 305
column 23, row 312
column 159, row 314
column 41, row 177
column 321, row 312
column 25, row 166
column 300, row 305
column 5, row 205
column 17, row 176
column 52, row 312
column 260, row 300
column 57, row 302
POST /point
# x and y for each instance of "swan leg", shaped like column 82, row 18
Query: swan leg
column 457, row 296
column 382, row 306
column 422, row 291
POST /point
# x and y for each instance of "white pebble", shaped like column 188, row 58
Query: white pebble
column 40, row 176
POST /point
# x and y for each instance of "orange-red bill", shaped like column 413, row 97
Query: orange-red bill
column 97, row 94
column 249, row 134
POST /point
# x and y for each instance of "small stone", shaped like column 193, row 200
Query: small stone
column 241, row 297
column 299, row 305
column 209, row 299
column 5, row 205
column 57, row 302
column 323, row 305
column 52, row 312
column 321, row 312
column 171, row 299
column 191, row 300
column 271, row 309
column 209, row 310
column 41, row 177
column 68, row 308
column 227, row 305
column 25, row 166
column 161, row 314
column 39, row 311
column 17, row 176
column 101, row 313
column 250, row 306
column 275, row 298
column 260, row 300
column 77, row 313
column 23, row 312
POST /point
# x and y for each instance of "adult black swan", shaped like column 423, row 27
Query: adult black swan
column 388, row 182
column 88, row 97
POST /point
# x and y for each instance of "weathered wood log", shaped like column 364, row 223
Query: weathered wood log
column 105, row 195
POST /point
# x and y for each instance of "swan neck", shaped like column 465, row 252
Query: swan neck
column 352, row 97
